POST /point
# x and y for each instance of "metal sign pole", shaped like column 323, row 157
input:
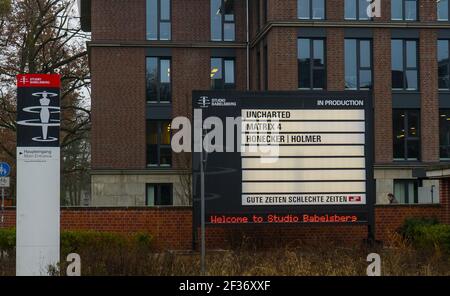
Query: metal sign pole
column 3, row 204
column 202, row 210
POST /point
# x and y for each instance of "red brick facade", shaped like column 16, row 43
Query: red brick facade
column 382, row 95
column 429, row 95
column 191, row 49
column 118, row 108
column 118, row 20
column 335, row 59
column 117, row 56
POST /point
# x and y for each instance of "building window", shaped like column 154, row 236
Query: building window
column 356, row 10
column 406, row 191
column 443, row 64
column 158, row 20
column 406, row 125
column 222, row 73
column 158, row 80
column 442, row 10
column 358, row 64
column 311, row 9
column 444, row 134
column 404, row 58
column 159, row 152
column 404, row 10
column 222, row 21
column 159, row 195
column 311, row 63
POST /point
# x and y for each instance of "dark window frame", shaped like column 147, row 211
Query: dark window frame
column 448, row 64
column 405, row 67
column 445, row 128
column 358, row 63
column 258, row 15
column 405, row 183
column 159, row 145
column 312, row 65
column 161, row 20
column 258, row 69
column 264, row 16
column 224, row 21
column 158, row 196
column 158, row 79
column 266, row 66
column 406, row 139
column 358, row 17
column 225, row 85
column 311, row 9
column 403, row 19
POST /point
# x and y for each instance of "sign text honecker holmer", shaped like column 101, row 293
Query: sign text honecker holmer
column 321, row 165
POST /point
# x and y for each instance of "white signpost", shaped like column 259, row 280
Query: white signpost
column 38, row 174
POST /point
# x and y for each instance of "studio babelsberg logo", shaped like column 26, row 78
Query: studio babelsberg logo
column 204, row 102
column 38, row 115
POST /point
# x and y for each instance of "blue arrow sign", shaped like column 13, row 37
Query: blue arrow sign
column 5, row 169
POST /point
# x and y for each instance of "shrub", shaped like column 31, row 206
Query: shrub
column 81, row 240
column 7, row 239
column 426, row 233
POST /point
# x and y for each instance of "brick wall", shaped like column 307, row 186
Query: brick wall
column 108, row 24
column 385, row 11
column 282, row 56
column 427, row 10
column 172, row 226
column 335, row 59
column 130, row 23
column 277, row 12
column 429, row 95
column 184, row 60
column 118, row 108
column 241, row 69
column 335, row 10
column 390, row 218
column 382, row 95
column 444, row 198
column 188, row 28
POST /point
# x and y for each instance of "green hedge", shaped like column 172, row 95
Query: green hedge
column 426, row 233
column 7, row 239
column 74, row 241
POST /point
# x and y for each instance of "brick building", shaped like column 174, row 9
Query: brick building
column 146, row 57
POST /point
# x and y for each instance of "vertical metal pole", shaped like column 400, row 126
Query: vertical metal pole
column 432, row 194
column 248, row 46
column 202, row 209
column 3, row 203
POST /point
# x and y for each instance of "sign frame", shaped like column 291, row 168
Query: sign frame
column 38, row 173
column 202, row 100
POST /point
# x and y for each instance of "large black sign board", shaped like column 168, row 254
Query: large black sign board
column 322, row 171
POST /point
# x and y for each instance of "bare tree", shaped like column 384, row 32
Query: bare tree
column 44, row 36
